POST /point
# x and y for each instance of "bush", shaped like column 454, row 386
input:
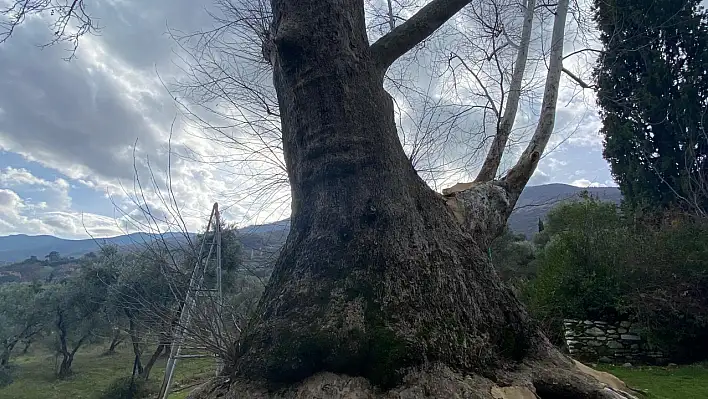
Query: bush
column 6, row 377
column 578, row 264
column 668, row 287
column 594, row 263
column 128, row 388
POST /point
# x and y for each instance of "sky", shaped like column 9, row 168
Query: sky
column 74, row 135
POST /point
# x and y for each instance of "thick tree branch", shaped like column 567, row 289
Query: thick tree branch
column 494, row 156
column 520, row 174
column 403, row 38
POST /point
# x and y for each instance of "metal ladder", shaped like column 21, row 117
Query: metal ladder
column 194, row 291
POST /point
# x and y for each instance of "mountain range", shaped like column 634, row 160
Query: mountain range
column 534, row 203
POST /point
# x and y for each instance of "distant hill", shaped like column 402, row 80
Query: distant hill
column 536, row 201
column 264, row 239
column 18, row 247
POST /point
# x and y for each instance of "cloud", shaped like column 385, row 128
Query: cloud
column 55, row 192
column 12, row 218
column 80, row 122
column 585, row 183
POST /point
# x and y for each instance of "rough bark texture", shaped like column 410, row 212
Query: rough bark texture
column 379, row 291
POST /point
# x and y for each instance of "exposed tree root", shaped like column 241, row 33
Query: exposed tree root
column 561, row 378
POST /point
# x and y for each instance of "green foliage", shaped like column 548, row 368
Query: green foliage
column 577, row 267
column 75, row 313
column 597, row 264
column 6, row 376
column 21, row 316
column 667, row 291
column 128, row 388
column 652, row 90
column 512, row 257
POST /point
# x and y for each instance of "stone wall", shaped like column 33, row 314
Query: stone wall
column 599, row 341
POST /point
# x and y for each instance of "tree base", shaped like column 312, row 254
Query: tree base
column 561, row 378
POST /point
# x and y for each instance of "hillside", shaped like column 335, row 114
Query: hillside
column 536, row 201
column 263, row 240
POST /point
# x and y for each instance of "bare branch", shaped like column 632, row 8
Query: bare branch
column 400, row 40
column 69, row 20
column 493, row 159
column 520, row 174
column 576, row 79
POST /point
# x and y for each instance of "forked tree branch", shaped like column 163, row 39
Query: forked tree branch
column 520, row 174
column 494, row 156
column 420, row 26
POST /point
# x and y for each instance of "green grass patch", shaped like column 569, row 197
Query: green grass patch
column 684, row 382
column 93, row 373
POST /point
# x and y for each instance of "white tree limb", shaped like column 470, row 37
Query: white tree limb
column 519, row 175
column 493, row 159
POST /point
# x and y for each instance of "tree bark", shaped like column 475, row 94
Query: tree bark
column 65, row 366
column 162, row 347
column 151, row 362
column 378, row 282
column 116, row 340
column 25, row 349
column 135, row 342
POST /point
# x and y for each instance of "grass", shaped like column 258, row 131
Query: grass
column 685, row 382
column 93, row 373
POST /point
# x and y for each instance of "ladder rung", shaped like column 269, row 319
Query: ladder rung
column 192, row 356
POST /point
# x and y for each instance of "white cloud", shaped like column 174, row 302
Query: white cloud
column 57, row 190
column 116, row 97
column 585, row 183
column 19, row 217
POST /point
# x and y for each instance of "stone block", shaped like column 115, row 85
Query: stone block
column 595, row 332
column 630, row 337
column 625, row 324
column 614, row 345
column 622, row 330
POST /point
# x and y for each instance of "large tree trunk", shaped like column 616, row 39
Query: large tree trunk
column 378, row 278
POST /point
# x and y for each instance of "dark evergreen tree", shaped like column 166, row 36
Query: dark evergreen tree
column 652, row 90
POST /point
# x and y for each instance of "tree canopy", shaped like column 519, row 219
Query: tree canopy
column 652, row 82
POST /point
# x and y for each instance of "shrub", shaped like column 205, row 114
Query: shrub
column 6, row 377
column 597, row 264
column 128, row 388
column 668, row 287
